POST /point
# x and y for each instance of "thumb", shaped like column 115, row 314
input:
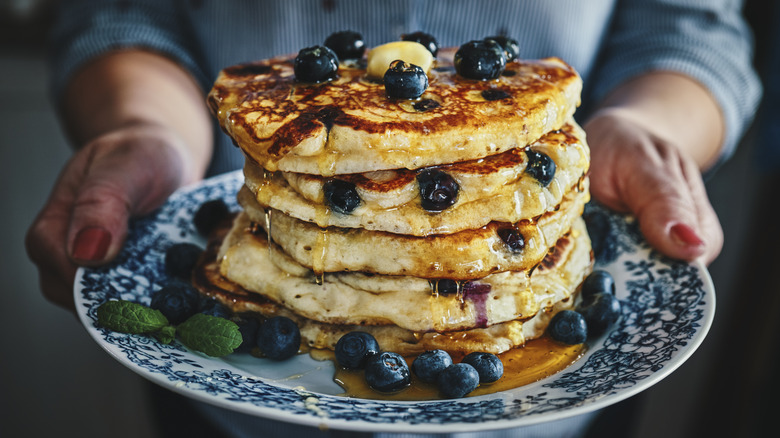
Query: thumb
column 667, row 209
column 123, row 180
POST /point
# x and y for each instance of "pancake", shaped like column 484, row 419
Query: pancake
column 355, row 298
column 554, row 285
column 461, row 256
column 348, row 125
column 496, row 188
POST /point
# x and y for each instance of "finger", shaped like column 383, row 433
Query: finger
column 709, row 224
column 46, row 237
column 121, row 182
column 660, row 197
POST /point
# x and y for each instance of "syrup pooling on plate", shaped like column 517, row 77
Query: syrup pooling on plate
column 537, row 360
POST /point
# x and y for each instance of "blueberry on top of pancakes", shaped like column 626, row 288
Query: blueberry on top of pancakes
column 511, row 46
column 480, row 60
column 438, row 190
column 423, row 38
column 346, row 44
column 405, row 81
column 341, row 196
column 316, row 64
column 540, row 166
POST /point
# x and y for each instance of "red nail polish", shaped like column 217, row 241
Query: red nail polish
column 91, row 244
column 685, row 236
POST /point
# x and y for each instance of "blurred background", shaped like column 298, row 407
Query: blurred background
column 57, row 382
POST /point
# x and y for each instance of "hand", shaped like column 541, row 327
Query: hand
column 633, row 170
column 119, row 175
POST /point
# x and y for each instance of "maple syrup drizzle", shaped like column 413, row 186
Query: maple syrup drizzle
column 538, row 359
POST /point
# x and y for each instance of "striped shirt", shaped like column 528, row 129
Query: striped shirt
column 607, row 41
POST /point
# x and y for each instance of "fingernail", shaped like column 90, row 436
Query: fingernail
column 684, row 235
column 91, row 244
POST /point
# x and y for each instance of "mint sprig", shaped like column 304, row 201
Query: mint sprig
column 211, row 335
column 129, row 317
column 208, row 334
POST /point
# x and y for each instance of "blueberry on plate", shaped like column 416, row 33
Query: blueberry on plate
column 510, row 45
column 177, row 301
column 209, row 214
column 438, row 190
column 249, row 328
column 212, row 307
column 316, row 64
column 354, row 348
column 600, row 312
column 405, row 81
column 279, row 338
column 423, row 38
column 480, row 60
column 540, row 166
column 458, row 380
column 488, row 366
column 341, row 196
column 427, row 366
column 569, row 327
column 599, row 281
column 180, row 260
column 387, row 372
column 346, row 44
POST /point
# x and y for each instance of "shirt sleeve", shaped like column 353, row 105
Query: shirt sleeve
column 708, row 41
column 86, row 29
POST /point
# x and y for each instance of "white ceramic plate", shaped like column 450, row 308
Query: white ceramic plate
column 667, row 310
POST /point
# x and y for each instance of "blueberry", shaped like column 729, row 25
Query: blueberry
column 346, row 44
column 209, row 214
column 480, row 60
column 445, row 286
column 180, row 260
column 213, row 307
column 429, row 364
column 597, row 282
column 279, row 338
column 458, row 380
column 488, row 366
column 600, row 313
column 438, row 190
column 177, row 301
column 387, row 372
column 424, row 105
column 602, row 233
column 405, row 81
column 316, row 64
column 510, row 46
column 569, row 327
column 540, row 166
column 354, row 348
column 423, row 38
column 248, row 327
column 341, row 196
column 512, row 239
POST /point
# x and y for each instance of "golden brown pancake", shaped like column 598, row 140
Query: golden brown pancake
column 495, row 188
column 348, row 125
column 460, row 256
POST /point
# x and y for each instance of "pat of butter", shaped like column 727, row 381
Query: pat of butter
column 380, row 57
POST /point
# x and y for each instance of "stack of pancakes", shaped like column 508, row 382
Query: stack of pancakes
column 485, row 273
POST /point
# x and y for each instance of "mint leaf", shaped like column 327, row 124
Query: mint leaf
column 129, row 317
column 166, row 335
column 209, row 334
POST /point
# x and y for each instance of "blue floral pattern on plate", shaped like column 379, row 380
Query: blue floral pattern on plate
column 667, row 310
